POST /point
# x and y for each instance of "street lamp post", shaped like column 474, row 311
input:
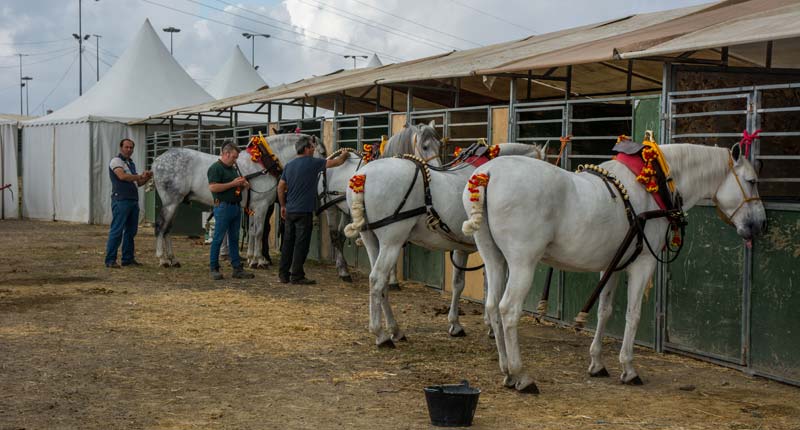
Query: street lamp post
column 27, row 85
column 21, row 84
column 252, row 37
column 171, row 31
column 354, row 58
column 97, row 59
column 80, row 38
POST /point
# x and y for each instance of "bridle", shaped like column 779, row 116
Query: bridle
column 418, row 152
column 728, row 219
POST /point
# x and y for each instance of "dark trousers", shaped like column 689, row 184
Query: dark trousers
column 296, row 239
column 124, row 225
column 227, row 220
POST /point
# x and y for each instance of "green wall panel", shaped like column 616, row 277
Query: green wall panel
column 775, row 297
column 645, row 117
column 704, row 294
column 423, row 265
column 535, row 294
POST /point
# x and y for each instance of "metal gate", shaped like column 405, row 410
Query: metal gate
column 723, row 301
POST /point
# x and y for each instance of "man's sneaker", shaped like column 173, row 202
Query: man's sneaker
column 239, row 273
column 215, row 275
column 283, row 279
column 304, row 281
column 132, row 263
column 112, row 265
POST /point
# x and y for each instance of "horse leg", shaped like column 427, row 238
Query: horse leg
column 520, row 280
column 336, row 223
column 639, row 274
column 460, row 259
column 163, row 225
column 604, row 308
column 394, row 284
column 495, row 278
column 257, row 236
column 486, row 320
column 382, row 258
column 224, row 252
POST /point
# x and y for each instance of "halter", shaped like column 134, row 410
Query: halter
column 728, row 219
column 323, row 199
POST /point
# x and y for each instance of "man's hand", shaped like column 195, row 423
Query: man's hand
column 241, row 182
column 283, row 212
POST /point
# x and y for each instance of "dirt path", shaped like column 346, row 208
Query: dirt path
column 86, row 347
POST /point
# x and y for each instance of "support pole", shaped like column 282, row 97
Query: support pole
column 512, row 115
column 409, row 104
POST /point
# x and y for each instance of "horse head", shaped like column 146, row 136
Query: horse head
column 426, row 143
column 737, row 197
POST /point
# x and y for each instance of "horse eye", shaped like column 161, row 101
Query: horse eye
column 752, row 182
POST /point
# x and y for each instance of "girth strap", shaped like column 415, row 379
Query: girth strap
column 397, row 215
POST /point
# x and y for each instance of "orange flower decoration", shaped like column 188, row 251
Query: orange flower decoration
column 647, row 176
column 477, row 180
column 457, row 152
column 367, row 152
column 494, row 151
column 357, row 183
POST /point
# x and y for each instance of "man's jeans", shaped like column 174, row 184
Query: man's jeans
column 124, row 225
column 296, row 239
column 227, row 219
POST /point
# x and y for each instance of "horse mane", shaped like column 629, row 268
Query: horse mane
column 696, row 169
column 400, row 143
column 524, row 149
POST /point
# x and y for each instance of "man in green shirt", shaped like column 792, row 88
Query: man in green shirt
column 226, row 186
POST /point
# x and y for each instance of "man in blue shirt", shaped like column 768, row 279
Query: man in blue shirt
column 297, row 194
column 124, row 205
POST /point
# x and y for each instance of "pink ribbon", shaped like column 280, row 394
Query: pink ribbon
column 747, row 141
column 297, row 130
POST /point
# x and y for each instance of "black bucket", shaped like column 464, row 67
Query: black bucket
column 452, row 405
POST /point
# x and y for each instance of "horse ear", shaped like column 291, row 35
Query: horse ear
column 274, row 131
column 432, row 124
column 544, row 149
column 736, row 153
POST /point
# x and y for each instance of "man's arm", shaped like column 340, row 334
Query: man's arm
column 283, row 187
column 338, row 161
column 216, row 187
column 138, row 179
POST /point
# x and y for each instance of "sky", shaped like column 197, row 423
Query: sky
column 308, row 37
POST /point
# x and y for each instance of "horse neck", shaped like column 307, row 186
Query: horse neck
column 697, row 170
column 520, row 149
column 282, row 146
column 400, row 143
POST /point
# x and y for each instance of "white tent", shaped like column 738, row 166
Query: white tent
column 374, row 61
column 66, row 154
column 9, row 198
column 237, row 77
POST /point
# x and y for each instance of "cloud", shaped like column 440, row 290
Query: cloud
column 395, row 29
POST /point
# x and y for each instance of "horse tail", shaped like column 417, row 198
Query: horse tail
column 357, row 208
column 473, row 223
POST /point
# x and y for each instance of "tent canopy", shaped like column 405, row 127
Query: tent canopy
column 145, row 79
column 235, row 77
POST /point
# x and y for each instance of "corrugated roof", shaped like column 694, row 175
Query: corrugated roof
column 637, row 36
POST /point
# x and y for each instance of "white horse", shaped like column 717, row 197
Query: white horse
column 392, row 186
column 180, row 174
column 531, row 211
column 420, row 140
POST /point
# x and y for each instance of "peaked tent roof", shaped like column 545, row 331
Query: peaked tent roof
column 235, row 77
column 374, row 61
column 146, row 79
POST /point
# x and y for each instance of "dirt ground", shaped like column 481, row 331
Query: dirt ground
column 82, row 346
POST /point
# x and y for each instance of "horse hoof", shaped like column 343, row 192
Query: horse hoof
column 394, row 287
column 490, row 333
column 347, row 278
column 262, row 266
column 386, row 344
column 176, row 265
column 635, row 381
column 457, row 332
column 165, row 265
column 401, row 338
column 602, row 373
column 527, row 386
column 508, row 382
